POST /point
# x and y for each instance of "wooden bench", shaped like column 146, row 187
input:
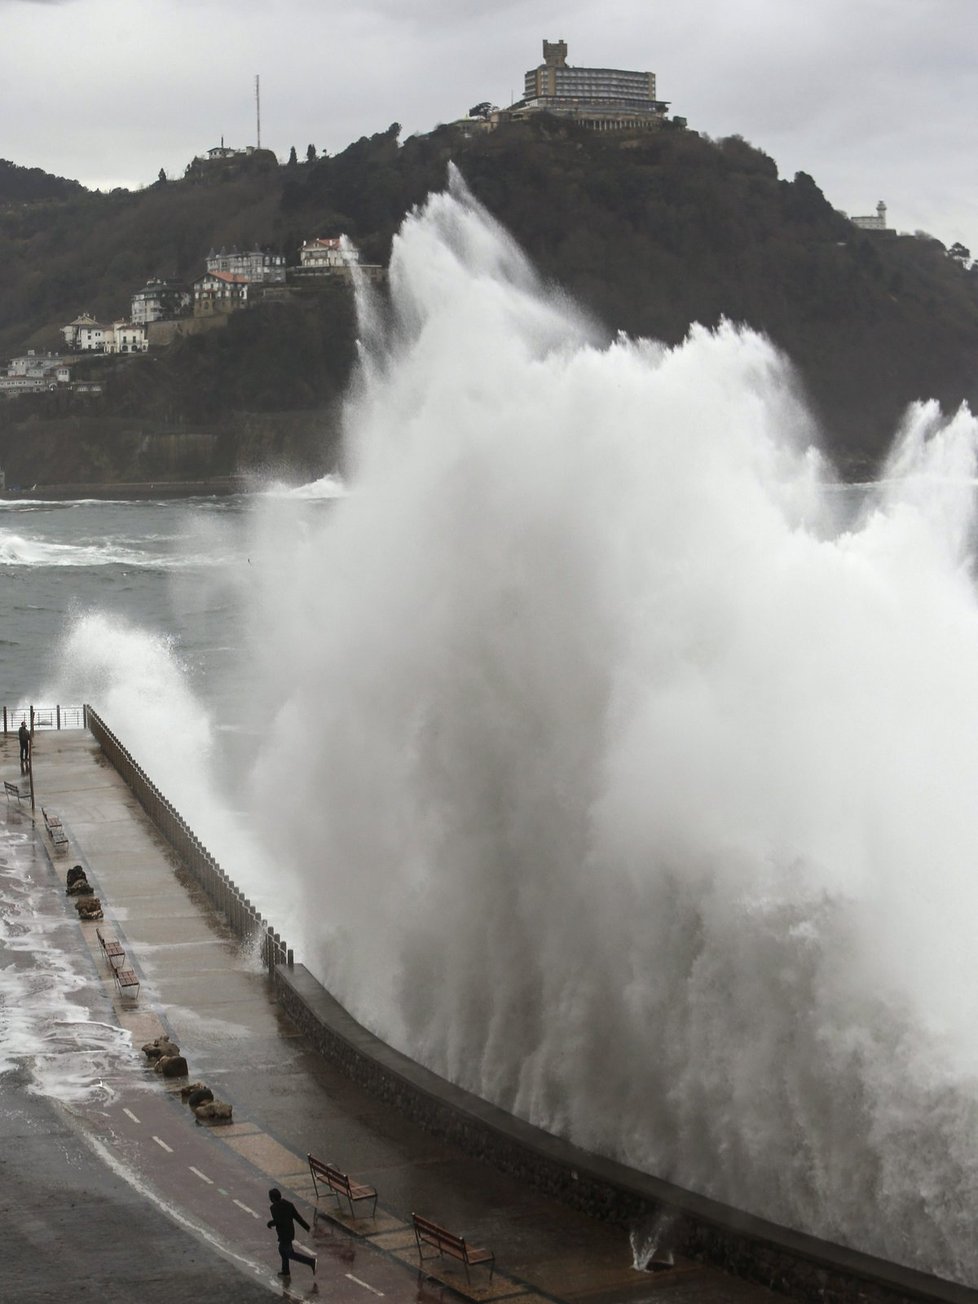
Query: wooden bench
column 340, row 1184
column 111, row 949
column 12, row 790
column 55, row 829
column 127, row 982
column 427, row 1232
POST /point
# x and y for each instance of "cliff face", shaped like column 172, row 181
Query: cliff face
column 64, row 450
column 650, row 233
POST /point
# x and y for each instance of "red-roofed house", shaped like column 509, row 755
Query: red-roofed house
column 219, row 292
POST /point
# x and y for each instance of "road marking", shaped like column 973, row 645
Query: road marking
column 245, row 1208
column 203, row 1176
column 373, row 1289
column 163, row 1145
column 130, row 1113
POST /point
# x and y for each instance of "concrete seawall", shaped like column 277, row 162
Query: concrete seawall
column 796, row 1265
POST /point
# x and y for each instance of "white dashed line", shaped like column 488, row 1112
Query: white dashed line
column 163, row 1145
column 203, row 1176
column 245, row 1208
column 130, row 1114
column 373, row 1290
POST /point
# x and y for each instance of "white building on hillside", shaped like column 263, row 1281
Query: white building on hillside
column 33, row 373
column 219, row 292
column 601, row 99
column 160, row 301
column 260, row 266
column 876, row 222
column 84, row 334
column 328, row 251
column 34, row 364
column 125, row 337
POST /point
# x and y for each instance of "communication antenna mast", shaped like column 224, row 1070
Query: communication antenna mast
column 258, row 106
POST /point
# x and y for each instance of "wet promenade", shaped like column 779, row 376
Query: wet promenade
column 117, row 1194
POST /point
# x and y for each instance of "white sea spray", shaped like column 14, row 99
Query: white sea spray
column 617, row 763
column 631, row 763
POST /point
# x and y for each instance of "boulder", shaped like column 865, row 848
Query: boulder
column 214, row 1111
column 89, row 907
column 156, row 1049
column 201, row 1096
column 187, row 1091
column 74, row 873
column 79, row 887
column 172, row 1066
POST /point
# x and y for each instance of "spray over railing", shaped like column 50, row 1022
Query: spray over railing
column 43, row 717
column 242, row 917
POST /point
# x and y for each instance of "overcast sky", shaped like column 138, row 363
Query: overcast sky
column 875, row 98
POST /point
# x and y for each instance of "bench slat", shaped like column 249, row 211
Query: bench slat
column 340, row 1183
column 112, row 950
column 446, row 1242
column 126, row 980
column 55, row 828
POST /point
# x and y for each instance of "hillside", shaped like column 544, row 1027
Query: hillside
column 28, row 185
column 651, row 233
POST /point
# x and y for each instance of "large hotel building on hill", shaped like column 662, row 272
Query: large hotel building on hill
column 604, row 99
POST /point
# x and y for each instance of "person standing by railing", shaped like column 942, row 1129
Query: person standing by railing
column 24, row 734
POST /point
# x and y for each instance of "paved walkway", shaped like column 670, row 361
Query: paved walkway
column 198, row 986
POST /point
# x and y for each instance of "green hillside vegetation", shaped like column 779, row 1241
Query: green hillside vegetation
column 650, row 233
column 20, row 185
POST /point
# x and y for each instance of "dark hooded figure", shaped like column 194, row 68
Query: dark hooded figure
column 24, row 734
column 284, row 1218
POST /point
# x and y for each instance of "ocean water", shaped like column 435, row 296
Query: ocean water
column 155, row 566
column 624, row 760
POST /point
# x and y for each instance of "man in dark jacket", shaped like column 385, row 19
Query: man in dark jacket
column 25, row 746
column 284, row 1218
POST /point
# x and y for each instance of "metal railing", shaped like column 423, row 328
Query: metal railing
column 242, row 917
column 43, row 717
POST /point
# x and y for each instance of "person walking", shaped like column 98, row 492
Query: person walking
column 284, row 1218
column 24, row 734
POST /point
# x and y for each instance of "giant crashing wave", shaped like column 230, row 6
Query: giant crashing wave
column 631, row 759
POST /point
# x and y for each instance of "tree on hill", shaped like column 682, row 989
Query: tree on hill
column 25, row 185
